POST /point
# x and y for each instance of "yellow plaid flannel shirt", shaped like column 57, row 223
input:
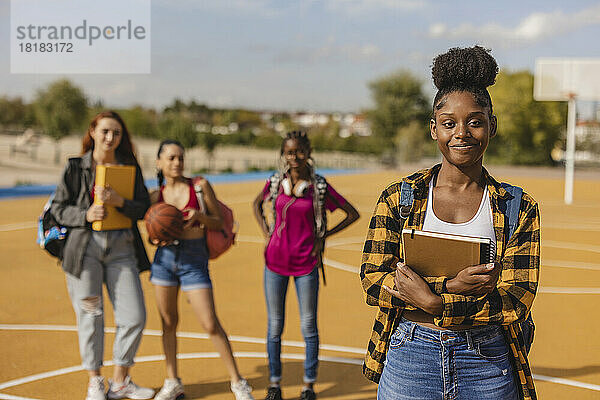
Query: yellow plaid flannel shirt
column 508, row 303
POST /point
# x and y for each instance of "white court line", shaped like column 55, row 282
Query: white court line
column 546, row 290
column 542, row 289
column 183, row 356
column 574, row 227
column 10, row 397
column 558, row 203
column 250, row 239
column 187, row 356
column 344, row 241
column 18, row 226
column 569, row 290
column 567, row 382
column 571, row 265
column 187, row 335
column 354, row 240
column 341, row 266
column 571, row 246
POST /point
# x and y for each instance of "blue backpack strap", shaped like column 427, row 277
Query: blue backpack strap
column 406, row 199
column 512, row 207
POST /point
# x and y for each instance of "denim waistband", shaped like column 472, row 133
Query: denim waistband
column 475, row 335
column 182, row 244
column 111, row 232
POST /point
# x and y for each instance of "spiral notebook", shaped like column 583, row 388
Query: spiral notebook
column 443, row 254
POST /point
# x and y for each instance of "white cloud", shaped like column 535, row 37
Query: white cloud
column 329, row 51
column 533, row 28
column 263, row 8
column 361, row 7
column 273, row 8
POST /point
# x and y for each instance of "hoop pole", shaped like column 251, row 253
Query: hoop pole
column 570, row 154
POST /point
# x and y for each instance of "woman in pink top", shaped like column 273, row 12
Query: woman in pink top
column 296, row 234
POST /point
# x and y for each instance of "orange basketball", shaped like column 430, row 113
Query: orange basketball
column 164, row 222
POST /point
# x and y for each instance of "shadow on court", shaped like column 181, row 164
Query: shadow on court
column 335, row 380
column 566, row 372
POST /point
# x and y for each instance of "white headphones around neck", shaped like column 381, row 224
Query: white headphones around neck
column 298, row 190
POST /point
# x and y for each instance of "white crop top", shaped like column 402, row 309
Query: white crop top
column 481, row 225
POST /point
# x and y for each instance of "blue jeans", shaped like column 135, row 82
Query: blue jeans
column 307, row 290
column 428, row 364
column 184, row 264
column 110, row 260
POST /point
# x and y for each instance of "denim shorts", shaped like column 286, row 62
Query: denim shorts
column 183, row 264
column 428, row 364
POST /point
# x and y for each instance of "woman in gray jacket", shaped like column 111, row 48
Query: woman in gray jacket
column 114, row 258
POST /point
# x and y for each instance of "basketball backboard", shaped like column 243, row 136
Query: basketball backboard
column 558, row 79
column 567, row 79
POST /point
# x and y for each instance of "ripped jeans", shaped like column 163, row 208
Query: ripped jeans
column 109, row 259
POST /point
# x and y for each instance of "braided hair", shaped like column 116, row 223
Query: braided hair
column 159, row 174
column 470, row 69
column 302, row 138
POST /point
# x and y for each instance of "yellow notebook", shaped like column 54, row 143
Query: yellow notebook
column 443, row 254
column 122, row 179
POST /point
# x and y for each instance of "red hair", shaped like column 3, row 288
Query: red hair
column 124, row 152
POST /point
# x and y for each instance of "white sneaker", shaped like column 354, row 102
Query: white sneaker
column 242, row 390
column 129, row 390
column 95, row 389
column 172, row 390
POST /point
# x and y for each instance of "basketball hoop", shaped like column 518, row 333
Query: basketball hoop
column 567, row 79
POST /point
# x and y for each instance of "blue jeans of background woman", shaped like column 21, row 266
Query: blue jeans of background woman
column 428, row 364
column 110, row 259
column 307, row 290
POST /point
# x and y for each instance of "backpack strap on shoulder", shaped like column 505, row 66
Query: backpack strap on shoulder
column 407, row 197
column 199, row 194
column 513, row 206
column 274, row 183
column 319, row 198
column 320, row 213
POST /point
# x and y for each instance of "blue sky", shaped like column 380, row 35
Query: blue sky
column 318, row 55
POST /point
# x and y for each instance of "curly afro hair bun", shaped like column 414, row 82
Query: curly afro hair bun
column 464, row 68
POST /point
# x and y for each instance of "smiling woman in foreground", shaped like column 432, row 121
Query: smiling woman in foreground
column 460, row 338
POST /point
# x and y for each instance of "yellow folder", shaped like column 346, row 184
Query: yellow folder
column 122, row 179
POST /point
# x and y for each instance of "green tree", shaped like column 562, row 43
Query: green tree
column 528, row 130
column 178, row 127
column 141, row 122
column 209, row 142
column 12, row 112
column 399, row 100
column 410, row 141
column 60, row 109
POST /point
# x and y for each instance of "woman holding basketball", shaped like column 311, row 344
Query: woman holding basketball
column 460, row 338
column 299, row 200
column 184, row 263
column 114, row 258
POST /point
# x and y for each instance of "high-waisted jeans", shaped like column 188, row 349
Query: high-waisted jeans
column 307, row 290
column 109, row 259
column 429, row 364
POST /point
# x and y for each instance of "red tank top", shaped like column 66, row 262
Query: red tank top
column 192, row 202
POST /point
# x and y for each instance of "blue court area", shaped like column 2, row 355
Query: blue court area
column 40, row 190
